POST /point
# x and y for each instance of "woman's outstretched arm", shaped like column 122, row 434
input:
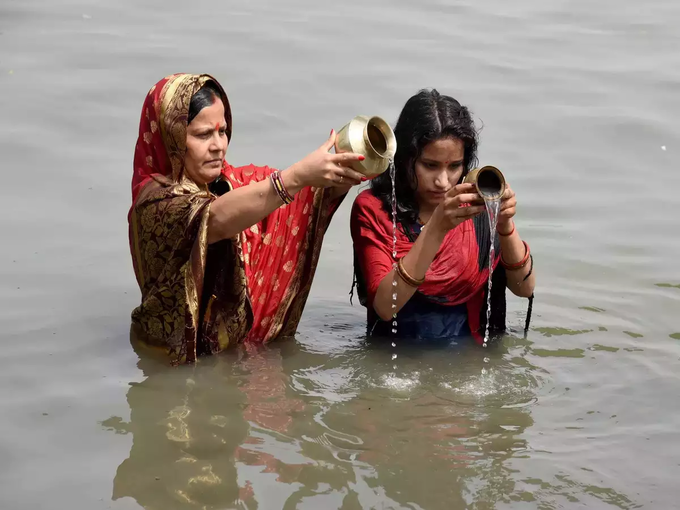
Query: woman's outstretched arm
column 241, row 208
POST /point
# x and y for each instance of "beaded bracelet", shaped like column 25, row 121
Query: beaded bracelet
column 521, row 263
column 413, row 282
column 281, row 190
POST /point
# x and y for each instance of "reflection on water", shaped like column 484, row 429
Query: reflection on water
column 184, row 436
column 273, row 427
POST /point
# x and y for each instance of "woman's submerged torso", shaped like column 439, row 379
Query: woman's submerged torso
column 421, row 319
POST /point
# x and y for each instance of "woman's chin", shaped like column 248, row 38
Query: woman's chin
column 214, row 174
column 206, row 176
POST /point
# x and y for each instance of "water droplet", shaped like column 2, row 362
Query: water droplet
column 393, row 172
column 663, row 147
column 493, row 206
column 394, row 344
column 394, row 356
column 486, row 360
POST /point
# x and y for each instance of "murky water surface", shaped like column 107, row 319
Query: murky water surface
column 579, row 106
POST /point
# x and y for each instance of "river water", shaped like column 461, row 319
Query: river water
column 579, row 105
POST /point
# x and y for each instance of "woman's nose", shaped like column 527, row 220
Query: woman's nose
column 216, row 143
column 442, row 179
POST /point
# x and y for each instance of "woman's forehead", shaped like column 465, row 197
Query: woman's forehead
column 444, row 149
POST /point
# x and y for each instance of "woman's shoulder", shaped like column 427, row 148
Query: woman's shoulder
column 368, row 209
column 171, row 200
column 366, row 200
column 158, row 187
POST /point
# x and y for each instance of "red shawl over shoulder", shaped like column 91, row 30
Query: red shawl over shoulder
column 277, row 251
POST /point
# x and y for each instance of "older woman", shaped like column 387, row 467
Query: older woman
column 222, row 255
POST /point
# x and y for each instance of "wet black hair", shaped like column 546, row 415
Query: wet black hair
column 426, row 117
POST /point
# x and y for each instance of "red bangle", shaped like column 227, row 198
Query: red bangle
column 521, row 263
column 509, row 233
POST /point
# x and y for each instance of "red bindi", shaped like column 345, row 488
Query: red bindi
column 217, row 126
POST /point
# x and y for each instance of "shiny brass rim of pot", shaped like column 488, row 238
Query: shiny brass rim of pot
column 488, row 180
column 378, row 135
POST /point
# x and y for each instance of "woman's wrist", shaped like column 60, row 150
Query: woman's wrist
column 291, row 180
column 438, row 236
column 436, row 226
column 434, row 232
column 505, row 229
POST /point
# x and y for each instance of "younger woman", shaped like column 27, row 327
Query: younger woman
column 443, row 233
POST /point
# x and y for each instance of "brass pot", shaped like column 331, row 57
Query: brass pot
column 371, row 137
column 488, row 180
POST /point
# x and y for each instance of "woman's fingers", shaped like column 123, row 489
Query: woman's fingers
column 350, row 174
column 460, row 188
column 345, row 181
column 468, row 212
column 508, row 213
column 464, row 198
column 462, row 214
column 341, row 176
column 509, row 200
column 476, row 209
column 508, row 204
column 328, row 144
column 346, row 157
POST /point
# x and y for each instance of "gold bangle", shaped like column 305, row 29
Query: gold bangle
column 408, row 279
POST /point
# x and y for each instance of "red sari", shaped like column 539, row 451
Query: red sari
column 196, row 298
column 458, row 274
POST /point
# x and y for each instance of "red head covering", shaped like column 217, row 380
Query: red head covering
column 162, row 128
